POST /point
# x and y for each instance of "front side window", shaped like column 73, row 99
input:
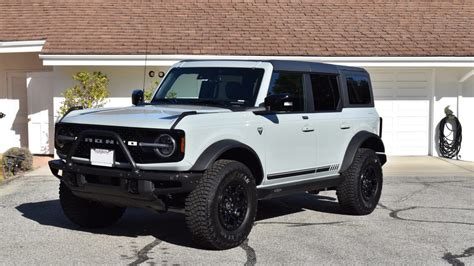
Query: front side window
column 209, row 85
column 291, row 83
column 358, row 89
column 325, row 92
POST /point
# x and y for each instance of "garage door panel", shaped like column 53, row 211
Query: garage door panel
column 402, row 100
column 404, row 76
column 387, row 125
column 384, row 93
column 411, row 124
column 383, row 85
column 411, row 108
column 382, row 76
column 412, row 91
column 384, row 106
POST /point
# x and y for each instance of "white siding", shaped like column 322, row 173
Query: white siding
column 13, row 129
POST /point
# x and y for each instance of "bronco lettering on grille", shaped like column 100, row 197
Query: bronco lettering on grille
column 99, row 141
column 108, row 141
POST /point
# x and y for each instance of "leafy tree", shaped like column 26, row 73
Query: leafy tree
column 151, row 89
column 90, row 93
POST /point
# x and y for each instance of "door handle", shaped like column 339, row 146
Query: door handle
column 344, row 126
column 307, row 129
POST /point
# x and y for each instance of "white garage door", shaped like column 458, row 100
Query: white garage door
column 402, row 99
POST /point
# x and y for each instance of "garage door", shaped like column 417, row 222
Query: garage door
column 402, row 99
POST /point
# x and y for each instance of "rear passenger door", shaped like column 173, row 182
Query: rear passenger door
column 331, row 120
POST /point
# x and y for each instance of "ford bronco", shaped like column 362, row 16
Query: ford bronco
column 217, row 137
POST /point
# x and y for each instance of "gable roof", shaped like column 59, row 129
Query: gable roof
column 243, row 27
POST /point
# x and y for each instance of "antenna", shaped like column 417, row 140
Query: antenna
column 146, row 56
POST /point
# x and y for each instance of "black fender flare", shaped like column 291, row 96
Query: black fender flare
column 214, row 151
column 375, row 143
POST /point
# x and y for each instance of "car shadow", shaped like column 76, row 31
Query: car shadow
column 171, row 227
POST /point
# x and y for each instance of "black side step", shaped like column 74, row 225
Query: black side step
column 306, row 185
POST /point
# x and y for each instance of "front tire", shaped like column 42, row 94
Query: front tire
column 86, row 213
column 361, row 189
column 221, row 210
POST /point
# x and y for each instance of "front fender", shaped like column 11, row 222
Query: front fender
column 210, row 154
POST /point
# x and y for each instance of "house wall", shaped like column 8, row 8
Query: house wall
column 17, row 63
column 449, row 91
column 466, row 113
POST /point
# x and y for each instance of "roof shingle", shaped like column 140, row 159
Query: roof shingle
column 243, row 27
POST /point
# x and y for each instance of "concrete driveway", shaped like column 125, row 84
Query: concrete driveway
column 426, row 216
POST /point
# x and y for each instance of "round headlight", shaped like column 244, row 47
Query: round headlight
column 166, row 145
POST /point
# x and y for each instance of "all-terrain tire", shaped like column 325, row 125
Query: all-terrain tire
column 360, row 191
column 86, row 213
column 221, row 210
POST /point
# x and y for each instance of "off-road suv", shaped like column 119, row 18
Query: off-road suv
column 217, row 137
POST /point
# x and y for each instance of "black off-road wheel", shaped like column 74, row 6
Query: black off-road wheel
column 86, row 213
column 221, row 210
column 360, row 191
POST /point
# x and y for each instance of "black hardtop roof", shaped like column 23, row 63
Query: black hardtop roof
column 296, row 65
column 305, row 66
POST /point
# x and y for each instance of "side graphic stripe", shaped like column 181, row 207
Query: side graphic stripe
column 288, row 174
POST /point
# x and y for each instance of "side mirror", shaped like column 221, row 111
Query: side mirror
column 279, row 102
column 137, row 97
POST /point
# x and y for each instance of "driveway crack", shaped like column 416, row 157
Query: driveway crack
column 251, row 256
column 394, row 213
column 142, row 254
column 453, row 259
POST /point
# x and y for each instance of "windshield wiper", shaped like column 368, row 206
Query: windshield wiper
column 164, row 100
column 206, row 102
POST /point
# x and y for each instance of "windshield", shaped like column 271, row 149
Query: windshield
column 210, row 86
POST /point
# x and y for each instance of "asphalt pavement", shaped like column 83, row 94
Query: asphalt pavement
column 425, row 216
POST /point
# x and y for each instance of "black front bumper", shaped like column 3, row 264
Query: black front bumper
column 125, row 187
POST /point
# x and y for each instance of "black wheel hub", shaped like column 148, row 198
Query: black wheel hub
column 368, row 182
column 233, row 206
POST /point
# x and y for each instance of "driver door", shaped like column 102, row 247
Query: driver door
column 290, row 142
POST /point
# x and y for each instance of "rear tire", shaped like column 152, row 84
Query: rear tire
column 361, row 189
column 86, row 213
column 221, row 210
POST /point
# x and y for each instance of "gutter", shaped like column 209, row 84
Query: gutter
column 168, row 60
column 22, row 46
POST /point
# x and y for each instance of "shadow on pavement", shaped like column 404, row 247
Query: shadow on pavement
column 171, row 227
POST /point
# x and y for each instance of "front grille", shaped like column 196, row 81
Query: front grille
column 139, row 154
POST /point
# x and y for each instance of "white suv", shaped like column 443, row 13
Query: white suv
column 217, row 137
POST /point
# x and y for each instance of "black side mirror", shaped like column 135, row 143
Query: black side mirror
column 137, row 97
column 279, row 102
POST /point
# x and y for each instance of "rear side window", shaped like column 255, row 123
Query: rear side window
column 291, row 83
column 325, row 92
column 358, row 89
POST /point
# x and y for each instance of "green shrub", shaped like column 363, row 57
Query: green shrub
column 90, row 93
column 24, row 165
